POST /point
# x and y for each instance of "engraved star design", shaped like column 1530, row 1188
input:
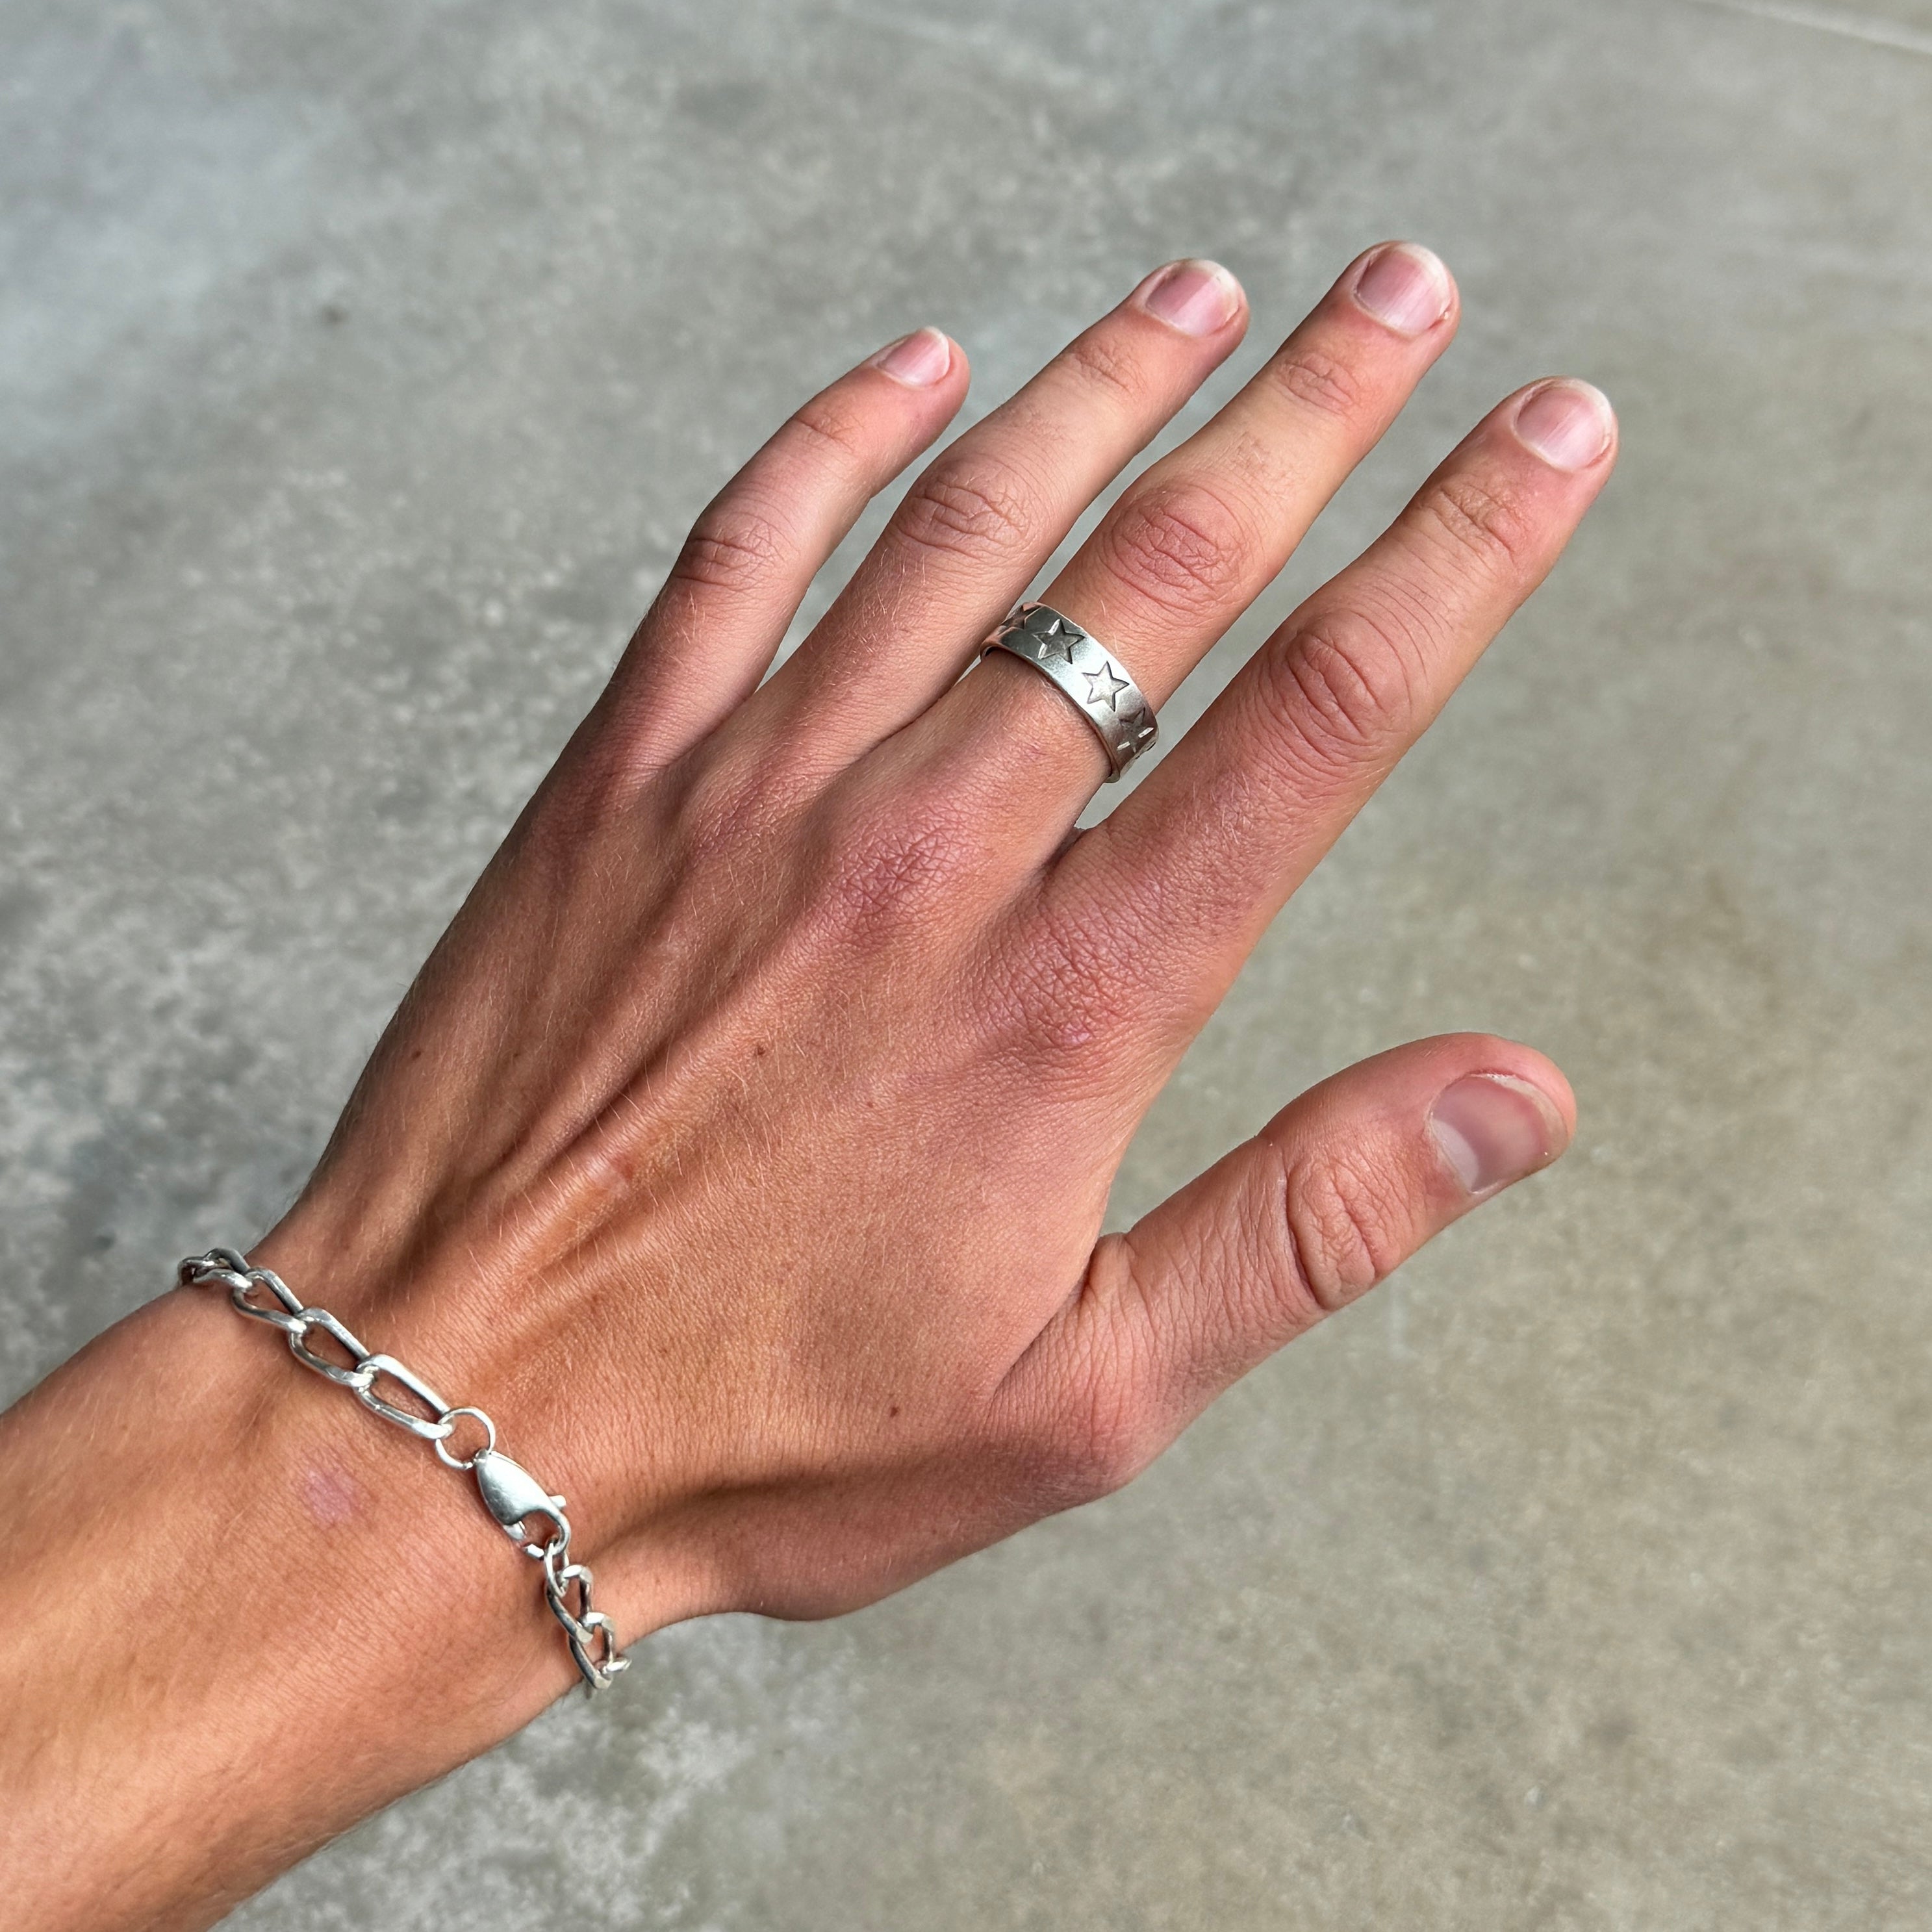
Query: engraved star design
column 1104, row 687
column 1057, row 641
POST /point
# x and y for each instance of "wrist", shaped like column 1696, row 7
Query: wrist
column 517, row 1341
column 470, row 1653
column 270, row 1583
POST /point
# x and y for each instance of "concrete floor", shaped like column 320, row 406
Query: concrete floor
column 360, row 366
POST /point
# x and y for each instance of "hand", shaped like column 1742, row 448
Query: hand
column 743, row 1146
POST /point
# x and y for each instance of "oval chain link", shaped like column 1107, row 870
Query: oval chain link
column 263, row 1296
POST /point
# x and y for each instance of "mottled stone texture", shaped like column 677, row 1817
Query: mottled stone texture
column 360, row 365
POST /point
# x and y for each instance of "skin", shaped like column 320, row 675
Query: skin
column 743, row 1146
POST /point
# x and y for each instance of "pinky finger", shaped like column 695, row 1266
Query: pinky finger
column 711, row 632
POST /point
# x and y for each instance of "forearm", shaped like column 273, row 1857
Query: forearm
column 240, row 1616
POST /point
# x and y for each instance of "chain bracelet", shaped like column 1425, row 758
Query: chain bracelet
column 510, row 1493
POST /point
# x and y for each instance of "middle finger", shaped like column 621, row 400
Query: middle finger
column 972, row 532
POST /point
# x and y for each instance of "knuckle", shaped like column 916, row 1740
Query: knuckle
column 1484, row 523
column 593, row 794
column 1343, row 690
column 734, row 548
column 972, row 509
column 1105, row 1428
column 1318, row 382
column 831, row 428
column 603, row 780
column 1062, row 1002
column 1177, row 544
column 574, row 809
column 1103, row 1446
column 885, row 870
column 1105, row 364
column 1336, row 1232
column 729, row 803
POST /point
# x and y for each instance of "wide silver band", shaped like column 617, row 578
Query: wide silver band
column 1098, row 684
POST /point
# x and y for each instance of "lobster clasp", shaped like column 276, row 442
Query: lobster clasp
column 512, row 1495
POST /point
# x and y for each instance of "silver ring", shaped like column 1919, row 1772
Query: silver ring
column 1101, row 690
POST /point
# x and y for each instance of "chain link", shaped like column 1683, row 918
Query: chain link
column 512, row 1495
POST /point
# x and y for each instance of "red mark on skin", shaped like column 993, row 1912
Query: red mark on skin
column 330, row 1497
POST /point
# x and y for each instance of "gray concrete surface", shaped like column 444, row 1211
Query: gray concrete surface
column 360, row 365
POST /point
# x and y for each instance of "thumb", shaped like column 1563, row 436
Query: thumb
column 1337, row 1190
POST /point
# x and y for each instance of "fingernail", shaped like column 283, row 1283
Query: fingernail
column 1493, row 1130
column 918, row 360
column 1406, row 287
column 1568, row 423
column 1197, row 298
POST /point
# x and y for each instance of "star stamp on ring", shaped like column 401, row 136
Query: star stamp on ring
column 1099, row 685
